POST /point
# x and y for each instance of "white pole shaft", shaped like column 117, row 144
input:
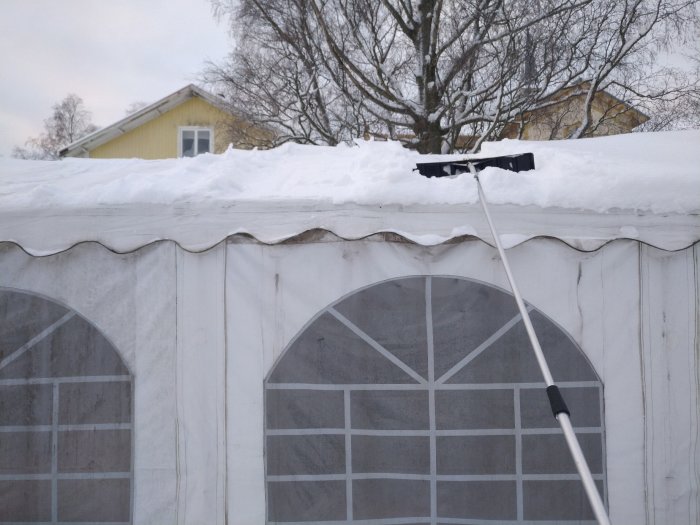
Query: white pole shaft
column 563, row 418
column 589, row 485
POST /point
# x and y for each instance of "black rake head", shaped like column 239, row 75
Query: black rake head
column 517, row 163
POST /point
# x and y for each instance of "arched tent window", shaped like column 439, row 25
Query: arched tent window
column 418, row 400
column 65, row 417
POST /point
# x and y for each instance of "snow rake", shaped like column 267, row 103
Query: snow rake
column 517, row 163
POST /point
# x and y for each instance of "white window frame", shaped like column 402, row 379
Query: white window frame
column 196, row 129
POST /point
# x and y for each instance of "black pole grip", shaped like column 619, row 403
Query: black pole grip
column 556, row 401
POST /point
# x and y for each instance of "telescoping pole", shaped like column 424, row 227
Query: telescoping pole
column 559, row 408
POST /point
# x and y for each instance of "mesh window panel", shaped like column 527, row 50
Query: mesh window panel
column 65, row 417
column 418, row 400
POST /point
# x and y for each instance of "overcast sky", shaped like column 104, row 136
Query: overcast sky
column 111, row 53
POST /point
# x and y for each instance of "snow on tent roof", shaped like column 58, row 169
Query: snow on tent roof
column 584, row 192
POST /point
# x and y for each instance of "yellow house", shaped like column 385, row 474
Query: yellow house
column 186, row 123
column 564, row 114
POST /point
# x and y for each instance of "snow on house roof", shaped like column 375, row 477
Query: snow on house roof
column 585, row 192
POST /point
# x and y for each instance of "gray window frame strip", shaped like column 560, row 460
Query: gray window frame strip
column 54, row 455
column 60, row 380
column 518, row 456
column 425, row 433
column 62, row 523
column 64, row 475
column 283, row 478
column 348, row 454
column 66, row 428
column 422, row 386
column 426, row 521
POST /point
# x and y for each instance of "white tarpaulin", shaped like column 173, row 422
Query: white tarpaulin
column 345, row 377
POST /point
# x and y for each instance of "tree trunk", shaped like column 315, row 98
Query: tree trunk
column 428, row 136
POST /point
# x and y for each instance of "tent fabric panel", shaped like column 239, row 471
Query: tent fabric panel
column 468, row 429
column 669, row 362
column 130, row 299
column 633, row 309
column 587, row 294
column 199, row 375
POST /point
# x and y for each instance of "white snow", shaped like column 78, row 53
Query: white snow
column 652, row 172
column 585, row 192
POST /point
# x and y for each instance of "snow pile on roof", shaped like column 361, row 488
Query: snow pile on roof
column 585, row 193
column 653, row 172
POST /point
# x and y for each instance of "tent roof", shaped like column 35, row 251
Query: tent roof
column 585, row 192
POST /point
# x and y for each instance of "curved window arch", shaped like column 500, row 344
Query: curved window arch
column 418, row 400
column 65, row 417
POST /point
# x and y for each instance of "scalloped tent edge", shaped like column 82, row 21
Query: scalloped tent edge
column 200, row 228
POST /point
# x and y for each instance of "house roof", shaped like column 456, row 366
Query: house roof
column 150, row 112
column 584, row 86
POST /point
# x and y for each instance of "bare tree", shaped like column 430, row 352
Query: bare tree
column 442, row 74
column 68, row 122
column 276, row 77
column 134, row 107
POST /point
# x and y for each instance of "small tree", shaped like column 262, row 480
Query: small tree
column 68, row 122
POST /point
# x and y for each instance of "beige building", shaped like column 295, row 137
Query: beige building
column 610, row 116
column 186, row 123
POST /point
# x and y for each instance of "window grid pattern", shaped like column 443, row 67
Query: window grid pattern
column 331, row 459
column 65, row 418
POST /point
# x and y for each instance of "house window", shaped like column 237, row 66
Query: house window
column 194, row 141
column 65, row 417
column 419, row 401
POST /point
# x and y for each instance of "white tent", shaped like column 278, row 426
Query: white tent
column 320, row 335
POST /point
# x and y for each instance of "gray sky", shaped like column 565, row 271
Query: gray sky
column 111, row 53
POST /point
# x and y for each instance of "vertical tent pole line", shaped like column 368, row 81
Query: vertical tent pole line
column 556, row 401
